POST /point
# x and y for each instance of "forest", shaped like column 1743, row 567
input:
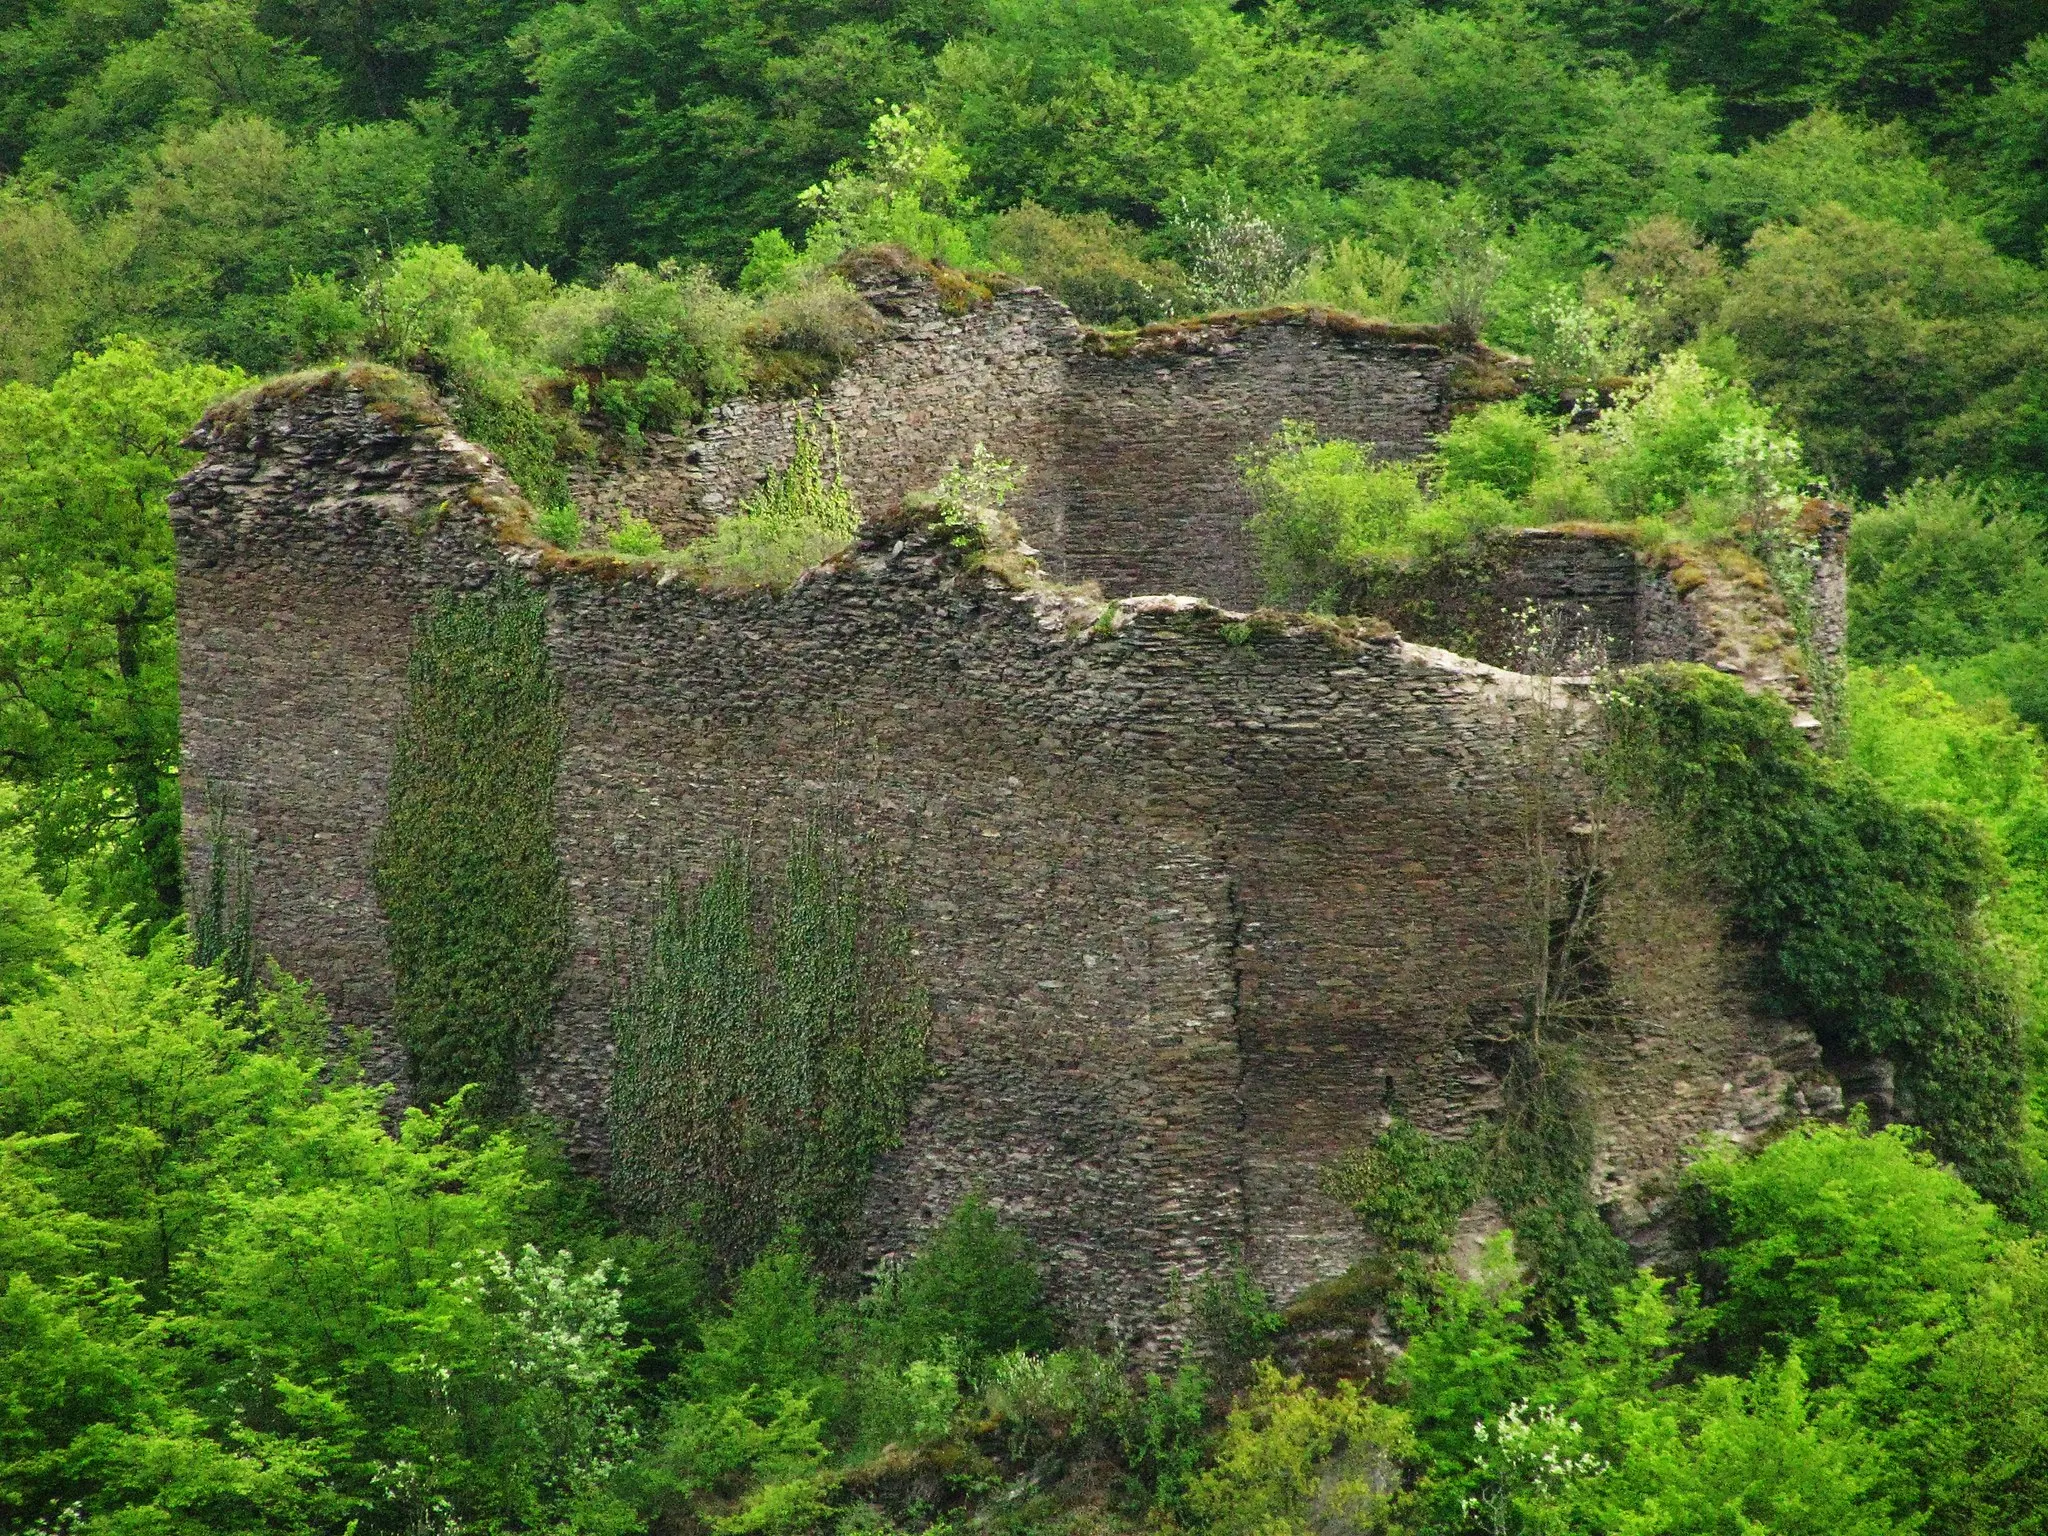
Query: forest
column 1780, row 249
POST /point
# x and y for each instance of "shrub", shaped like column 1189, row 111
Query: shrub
column 561, row 525
column 1685, row 438
column 1294, row 1461
column 1408, row 1189
column 1234, row 1321
column 1352, row 275
column 1073, row 1398
column 676, row 325
column 1161, row 1435
column 974, row 1285
column 633, row 535
column 1324, row 508
column 1498, row 446
column 807, row 332
column 1090, row 262
column 1237, row 259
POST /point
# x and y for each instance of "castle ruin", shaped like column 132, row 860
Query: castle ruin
column 1200, row 894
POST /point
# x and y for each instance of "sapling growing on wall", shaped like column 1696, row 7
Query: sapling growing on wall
column 802, row 516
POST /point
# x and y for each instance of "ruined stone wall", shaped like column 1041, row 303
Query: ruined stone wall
column 943, row 377
column 1142, row 491
column 1129, row 450
column 1191, row 903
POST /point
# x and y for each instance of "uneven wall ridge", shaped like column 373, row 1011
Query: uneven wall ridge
column 1194, row 901
column 1129, row 450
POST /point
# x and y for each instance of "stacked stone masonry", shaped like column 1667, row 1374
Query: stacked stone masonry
column 1195, row 900
column 1130, row 448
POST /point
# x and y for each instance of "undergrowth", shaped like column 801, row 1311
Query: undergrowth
column 473, row 893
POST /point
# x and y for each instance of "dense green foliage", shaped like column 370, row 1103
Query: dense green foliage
column 473, row 894
column 1867, row 907
column 767, row 1052
column 89, row 720
column 1683, row 456
column 1782, row 244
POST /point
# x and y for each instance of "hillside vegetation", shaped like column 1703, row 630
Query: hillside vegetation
column 1752, row 254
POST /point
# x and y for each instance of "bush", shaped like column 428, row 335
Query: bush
column 1408, row 1189
column 1830, row 1238
column 1352, row 275
column 1689, row 443
column 1293, row 1461
column 1073, row 1398
column 633, row 535
column 1161, row 1435
column 1324, row 508
column 972, row 1288
column 1234, row 1321
column 1499, row 446
column 807, row 332
column 1089, row 262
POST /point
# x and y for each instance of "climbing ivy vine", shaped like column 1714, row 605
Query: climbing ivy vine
column 1865, row 908
column 767, row 1051
column 466, row 867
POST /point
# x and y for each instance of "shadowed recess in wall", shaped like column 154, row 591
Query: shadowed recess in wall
column 768, row 1051
column 465, row 866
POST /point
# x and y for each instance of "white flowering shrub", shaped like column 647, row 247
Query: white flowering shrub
column 1526, row 1459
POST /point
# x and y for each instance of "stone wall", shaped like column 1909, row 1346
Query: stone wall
column 1193, row 902
column 1129, row 448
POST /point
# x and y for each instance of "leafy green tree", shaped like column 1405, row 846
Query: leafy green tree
column 43, row 286
column 1732, row 1456
column 46, row 48
column 668, row 129
column 1944, row 570
column 1512, row 107
column 1832, row 1237
column 89, row 728
column 1874, row 170
column 2012, row 146
column 1771, row 60
column 209, row 60
column 1130, row 106
column 1895, row 351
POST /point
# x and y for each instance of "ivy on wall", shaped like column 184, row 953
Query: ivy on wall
column 465, row 866
column 767, row 1051
column 1865, row 908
